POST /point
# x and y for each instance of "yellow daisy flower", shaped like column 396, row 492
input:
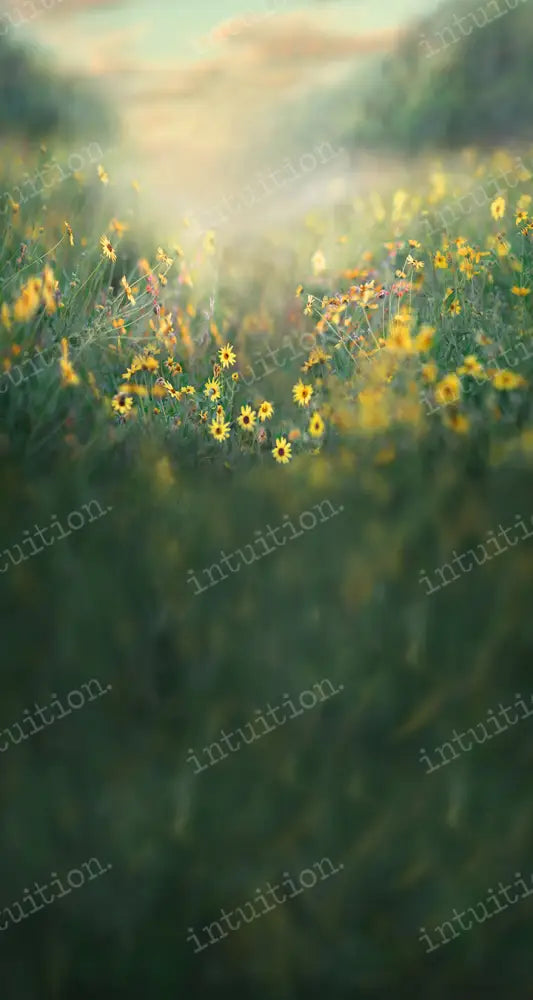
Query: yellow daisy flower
column 316, row 426
column 127, row 288
column 265, row 410
column 212, row 389
column 227, row 356
column 163, row 257
column 282, row 451
column 505, row 380
column 247, row 418
column 302, row 393
column 424, row 339
column 173, row 393
column 470, row 366
column 497, row 209
column 122, row 403
column 68, row 375
column 317, row 356
column 457, row 422
column 107, row 249
column 448, row 390
column 144, row 363
column 516, row 290
column 219, row 430
column 429, row 372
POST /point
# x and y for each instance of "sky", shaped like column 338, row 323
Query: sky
column 170, row 31
column 201, row 113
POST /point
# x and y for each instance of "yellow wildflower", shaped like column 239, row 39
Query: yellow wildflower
column 227, row 356
column 127, row 288
column 68, row 375
column 470, row 366
column 122, row 404
column 316, row 426
column 497, row 208
column 424, row 339
column 247, row 418
column 212, row 388
column 219, row 430
column 107, row 249
column 282, row 451
column 505, row 380
column 429, row 372
column 457, row 422
column 302, row 393
column 265, row 410
column 448, row 390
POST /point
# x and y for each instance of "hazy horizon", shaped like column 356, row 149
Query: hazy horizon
column 199, row 115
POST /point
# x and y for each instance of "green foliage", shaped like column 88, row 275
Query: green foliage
column 36, row 103
column 344, row 781
column 443, row 88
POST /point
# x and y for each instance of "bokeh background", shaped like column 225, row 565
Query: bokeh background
column 193, row 113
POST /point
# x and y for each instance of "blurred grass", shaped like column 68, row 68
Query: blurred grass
column 344, row 781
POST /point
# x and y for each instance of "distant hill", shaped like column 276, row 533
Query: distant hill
column 37, row 102
column 462, row 76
